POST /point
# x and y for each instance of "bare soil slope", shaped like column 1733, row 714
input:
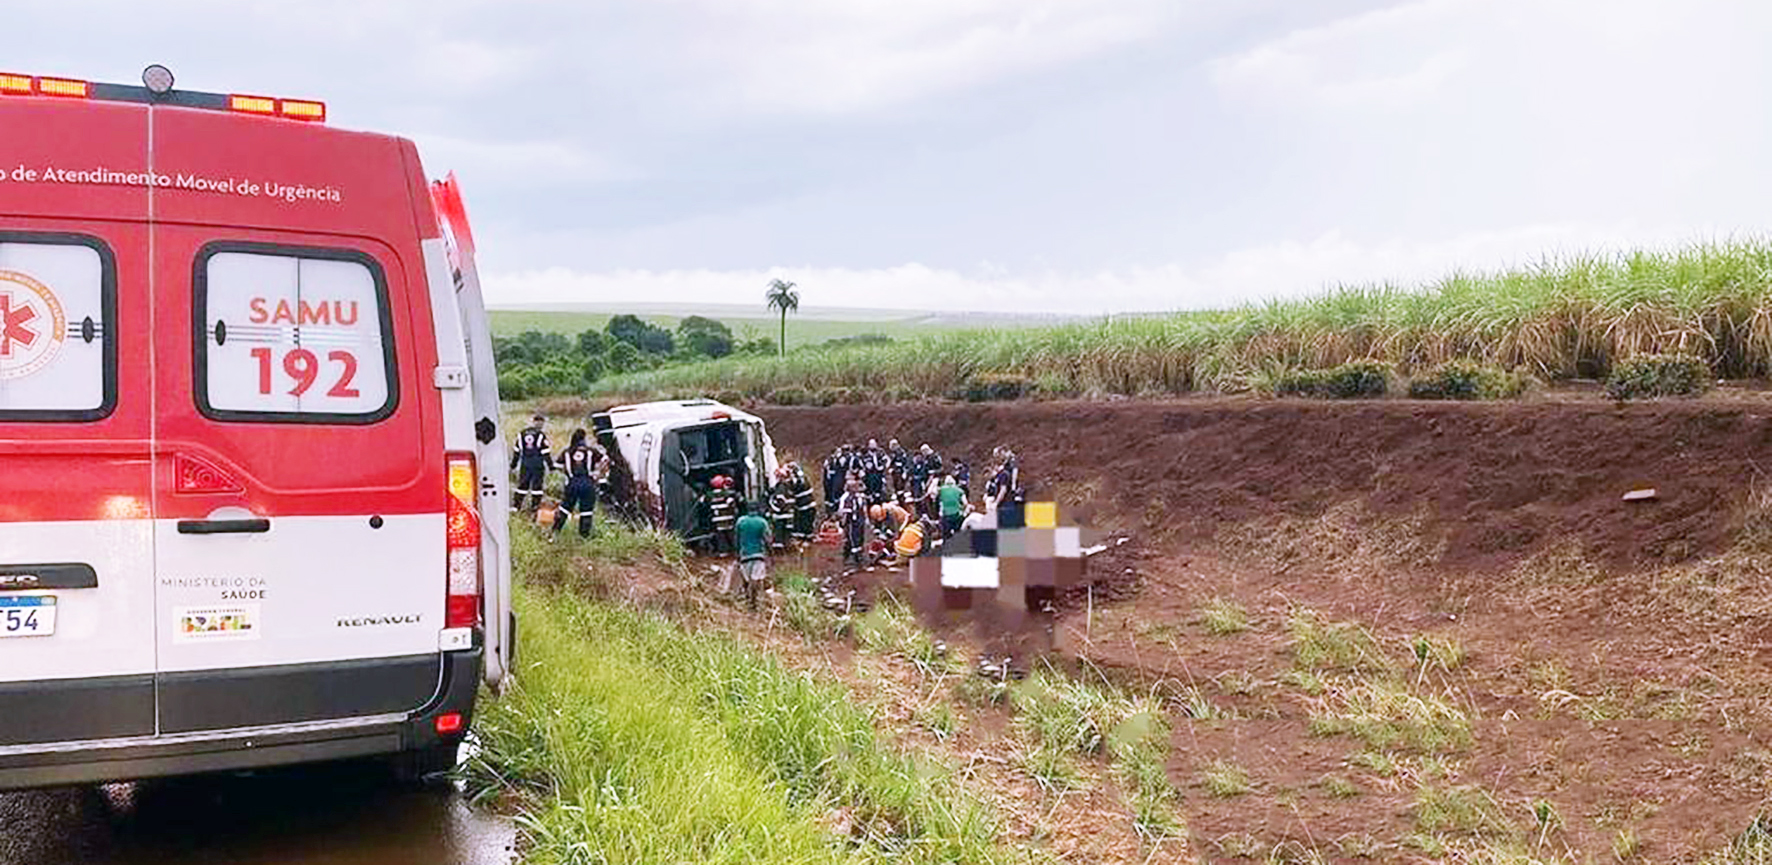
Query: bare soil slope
column 1607, row 668
column 1496, row 480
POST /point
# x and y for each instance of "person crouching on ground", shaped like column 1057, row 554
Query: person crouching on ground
column 889, row 522
column 753, row 553
column 953, row 506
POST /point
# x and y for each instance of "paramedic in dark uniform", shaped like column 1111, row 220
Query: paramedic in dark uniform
column 836, row 467
column 723, row 513
column 580, row 462
column 530, row 458
column 781, row 508
column 805, row 508
column 852, row 514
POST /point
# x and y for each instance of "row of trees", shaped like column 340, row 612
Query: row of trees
column 535, row 363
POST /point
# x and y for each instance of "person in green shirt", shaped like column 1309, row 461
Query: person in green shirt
column 953, row 506
column 753, row 552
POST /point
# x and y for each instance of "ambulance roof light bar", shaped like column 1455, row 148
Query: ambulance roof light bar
column 156, row 89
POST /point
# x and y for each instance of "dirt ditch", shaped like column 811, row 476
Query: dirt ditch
column 1611, row 669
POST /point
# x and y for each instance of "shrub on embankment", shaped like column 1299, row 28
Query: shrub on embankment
column 1651, row 376
column 1574, row 318
column 1349, row 381
column 1465, row 380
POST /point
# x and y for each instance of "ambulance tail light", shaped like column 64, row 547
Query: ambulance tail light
column 464, row 579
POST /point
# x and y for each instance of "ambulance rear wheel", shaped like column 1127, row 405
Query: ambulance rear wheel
column 426, row 766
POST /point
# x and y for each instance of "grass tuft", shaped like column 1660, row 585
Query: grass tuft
column 1223, row 617
column 1337, row 646
column 1460, row 809
column 1752, row 847
column 1386, row 714
column 1225, row 779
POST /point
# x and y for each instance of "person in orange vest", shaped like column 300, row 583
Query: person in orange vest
column 889, row 521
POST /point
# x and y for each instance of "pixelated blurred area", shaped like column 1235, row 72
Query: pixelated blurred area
column 1004, row 576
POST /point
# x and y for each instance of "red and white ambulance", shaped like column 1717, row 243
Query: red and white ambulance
column 253, row 507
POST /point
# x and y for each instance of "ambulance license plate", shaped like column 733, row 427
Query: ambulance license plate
column 32, row 616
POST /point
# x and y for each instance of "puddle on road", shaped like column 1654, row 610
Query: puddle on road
column 325, row 815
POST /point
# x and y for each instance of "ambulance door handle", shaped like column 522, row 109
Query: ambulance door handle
column 224, row 527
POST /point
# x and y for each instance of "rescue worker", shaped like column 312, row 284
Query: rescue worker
column 932, row 463
column 805, row 508
column 531, row 457
column 918, row 473
column 781, row 509
column 723, row 513
column 852, row 515
column 1004, row 487
column 579, row 462
column 753, row 537
column 963, row 477
column 912, row 540
column 903, row 492
column 874, row 464
column 835, row 469
column 889, row 521
column 900, row 458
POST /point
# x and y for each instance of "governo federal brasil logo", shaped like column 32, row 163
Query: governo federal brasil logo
column 32, row 325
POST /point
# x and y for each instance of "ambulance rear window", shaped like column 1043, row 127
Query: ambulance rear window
column 293, row 335
column 58, row 361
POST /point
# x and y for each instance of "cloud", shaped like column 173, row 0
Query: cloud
column 860, row 55
column 1390, row 57
column 1280, row 270
column 520, row 165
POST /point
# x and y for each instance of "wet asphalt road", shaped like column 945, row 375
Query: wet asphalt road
column 328, row 815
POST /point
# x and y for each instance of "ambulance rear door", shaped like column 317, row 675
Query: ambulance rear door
column 76, row 535
column 301, row 531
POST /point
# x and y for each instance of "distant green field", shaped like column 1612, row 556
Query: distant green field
column 801, row 329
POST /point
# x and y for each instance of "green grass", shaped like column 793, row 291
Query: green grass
column 1386, row 714
column 1065, row 719
column 1225, row 779
column 1752, row 847
column 1223, row 617
column 1334, row 646
column 1465, row 810
column 1561, row 319
column 890, row 628
column 635, row 740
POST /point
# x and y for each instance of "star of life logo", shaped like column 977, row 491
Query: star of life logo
column 32, row 325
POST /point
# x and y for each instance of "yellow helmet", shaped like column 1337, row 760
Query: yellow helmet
column 876, row 513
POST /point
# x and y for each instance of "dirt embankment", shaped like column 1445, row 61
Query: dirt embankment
column 1611, row 655
column 1495, row 482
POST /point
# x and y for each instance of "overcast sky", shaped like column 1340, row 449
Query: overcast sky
column 1038, row 155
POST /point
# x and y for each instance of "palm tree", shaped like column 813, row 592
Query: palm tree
column 782, row 296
